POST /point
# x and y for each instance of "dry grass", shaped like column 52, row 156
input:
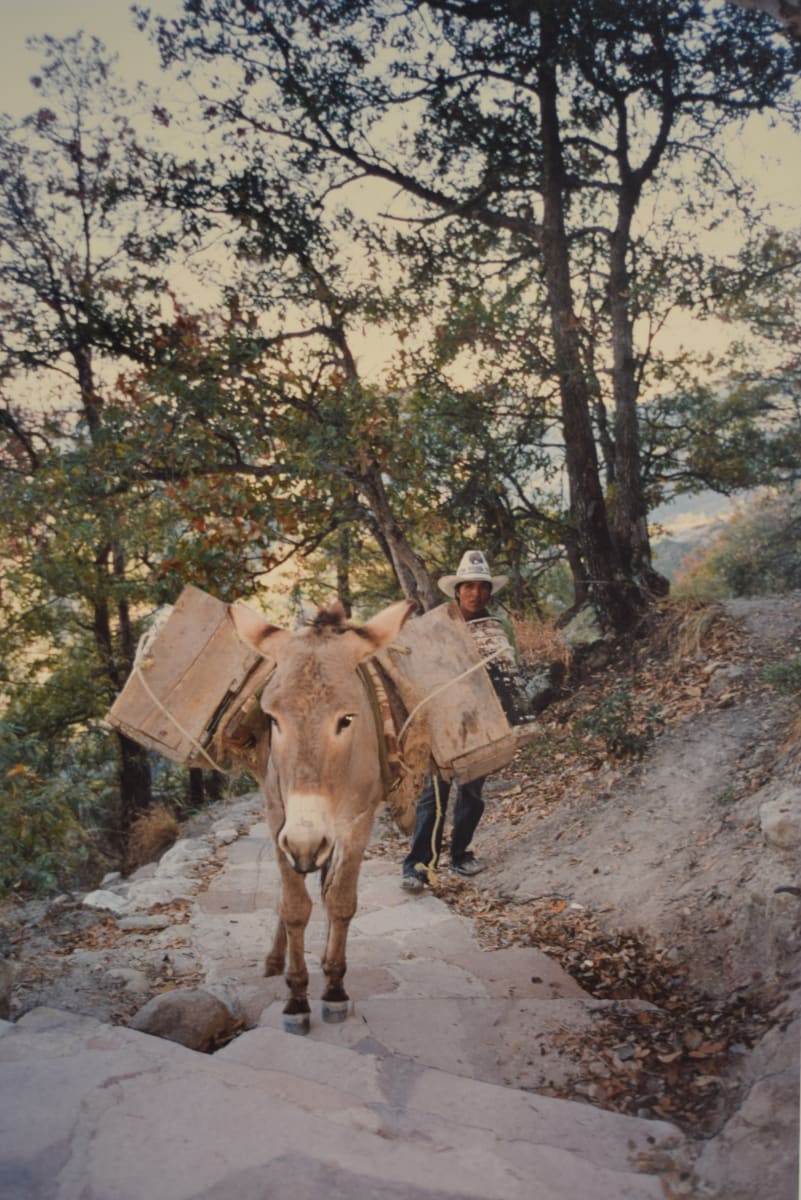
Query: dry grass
column 151, row 834
column 539, row 642
column 687, row 627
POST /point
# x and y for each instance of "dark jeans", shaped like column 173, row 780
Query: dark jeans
column 430, row 822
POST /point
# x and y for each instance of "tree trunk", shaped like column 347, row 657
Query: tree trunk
column 213, row 783
column 136, row 792
column 628, row 509
column 410, row 571
column 196, row 791
column 578, row 572
column 614, row 597
column 409, row 568
column 135, row 779
column 343, row 570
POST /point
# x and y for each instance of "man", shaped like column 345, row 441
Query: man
column 471, row 587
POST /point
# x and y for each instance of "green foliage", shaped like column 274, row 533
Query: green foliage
column 625, row 726
column 48, row 805
column 757, row 552
column 785, row 677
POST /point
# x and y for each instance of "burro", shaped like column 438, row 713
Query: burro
column 320, row 771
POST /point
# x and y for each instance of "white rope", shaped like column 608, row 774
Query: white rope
column 444, row 687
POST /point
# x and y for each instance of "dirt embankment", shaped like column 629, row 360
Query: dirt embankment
column 671, row 877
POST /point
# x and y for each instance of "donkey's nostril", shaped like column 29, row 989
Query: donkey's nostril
column 304, row 859
column 323, row 853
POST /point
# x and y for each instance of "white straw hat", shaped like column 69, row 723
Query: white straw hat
column 473, row 568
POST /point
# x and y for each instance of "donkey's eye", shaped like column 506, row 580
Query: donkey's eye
column 344, row 722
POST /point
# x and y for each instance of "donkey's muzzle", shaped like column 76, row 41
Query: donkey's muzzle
column 306, row 863
column 306, row 839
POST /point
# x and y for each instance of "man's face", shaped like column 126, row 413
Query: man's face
column 473, row 597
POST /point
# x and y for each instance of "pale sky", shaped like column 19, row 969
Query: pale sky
column 771, row 157
column 110, row 20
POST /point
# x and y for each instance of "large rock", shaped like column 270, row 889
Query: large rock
column 190, row 1016
column 755, row 1154
column 185, row 854
column 583, row 629
column 780, row 819
column 109, row 901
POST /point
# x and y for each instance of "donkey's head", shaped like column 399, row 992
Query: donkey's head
column 324, row 765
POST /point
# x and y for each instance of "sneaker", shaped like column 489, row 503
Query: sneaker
column 469, row 865
column 413, row 883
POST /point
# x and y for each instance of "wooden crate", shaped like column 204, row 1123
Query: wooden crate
column 194, row 679
column 436, row 667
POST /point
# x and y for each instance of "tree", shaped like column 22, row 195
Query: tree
column 543, row 125
column 735, row 425
column 786, row 12
column 78, row 288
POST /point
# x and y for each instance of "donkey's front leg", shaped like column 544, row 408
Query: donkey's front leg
column 339, row 895
column 295, row 910
column 276, row 960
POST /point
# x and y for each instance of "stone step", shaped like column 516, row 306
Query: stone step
column 103, row 1111
column 421, row 986
column 413, row 946
column 521, row 1042
column 608, row 1140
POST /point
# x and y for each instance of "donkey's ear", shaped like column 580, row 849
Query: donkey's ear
column 384, row 626
column 251, row 627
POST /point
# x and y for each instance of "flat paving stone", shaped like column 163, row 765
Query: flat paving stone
column 424, row 912
column 427, row 1091
column 518, row 1043
column 511, row 1113
column 517, row 971
column 128, row 1116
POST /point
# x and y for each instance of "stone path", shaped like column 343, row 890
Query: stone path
column 434, row 1087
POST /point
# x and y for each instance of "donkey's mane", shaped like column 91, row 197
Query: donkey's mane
column 333, row 619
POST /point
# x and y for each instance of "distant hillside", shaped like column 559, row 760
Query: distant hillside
column 694, row 510
column 670, row 551
column 688, row 523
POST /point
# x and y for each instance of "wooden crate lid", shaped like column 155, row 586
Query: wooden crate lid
column 187, row 676
column 438, row 671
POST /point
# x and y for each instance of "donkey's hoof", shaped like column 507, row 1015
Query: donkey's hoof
column 334, row 1012
column 297, row 1023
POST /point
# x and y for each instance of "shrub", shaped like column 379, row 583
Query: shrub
column 151, row 834
column 785, row 676
column 625, row 729
column 42, row 845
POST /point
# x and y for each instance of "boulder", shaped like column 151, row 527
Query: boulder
column 186, row 853
column 145, row 922
column 542, row 684
column 110, row 901
column 190, row 1016
column 584, row 629
column 224, row 836
column 781, row 819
